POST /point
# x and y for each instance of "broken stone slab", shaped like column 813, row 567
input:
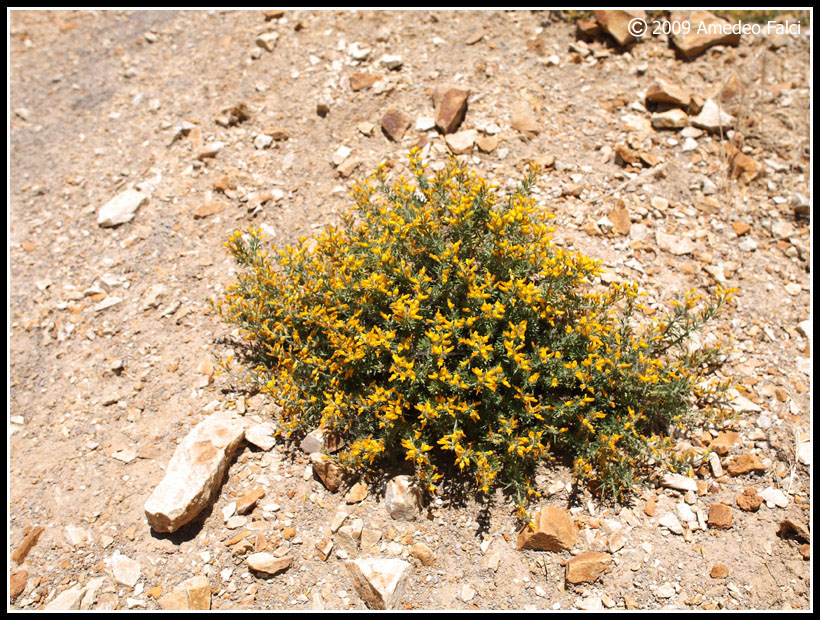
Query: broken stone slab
column 553, row 530
column 587, row 567
column 674, row 244
column 380, row 582
column 705, row 30
column 195, row 472
column 523, row 118
column 617, row 24
column 671, row 119
column 402, row 498
column 120, row 209
column 193, row 593
column 461, row 143
column 126, row 571
column 395, row 125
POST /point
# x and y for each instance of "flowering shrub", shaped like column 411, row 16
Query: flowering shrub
column 438, row 324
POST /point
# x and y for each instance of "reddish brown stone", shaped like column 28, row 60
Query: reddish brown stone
column 616, row 24
column 587, row 567
column 358, row 81
column 744, row 464
column 19, row 554
column 248, row 501
column 394, row 125
column 720, row 516
column 705, row 31
column 451, row 106
column 749, row 500
column 719, row 571
column 553, row 530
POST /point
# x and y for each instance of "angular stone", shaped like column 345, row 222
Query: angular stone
column 790, row 527
column 193, row 594
column 268, row 563
column 267, row 41
column 380, row 582
column 329, row 471
column 67, row 599
column 17, row 583
column 705, row 30
column 744, row 168
column 210, row 150
column 346, row 540
column 720, row 516
column 394, row 125
column 248, row 500
column 523, row 119
column 744, row 464
column 774, row 497
column 616, row 24
column 358, row 81
column 670, row 522
column 450, row 103
column 261, row 436
column 462, row 142
column 587, row 567
column 674, row 244
column 713, row 118
column 553, row 530
column 20, row 553
column 126, row 571
column 663, row 91
column 402, row 498
column 356, row 494
column 120, row 209
column 195, row 472
column 321, row 440
column 621, row 223
column 671, row 119
column 487, row 144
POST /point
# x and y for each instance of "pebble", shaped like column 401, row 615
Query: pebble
column 120, row 209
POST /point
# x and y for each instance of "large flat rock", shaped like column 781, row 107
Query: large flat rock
column 194, row 473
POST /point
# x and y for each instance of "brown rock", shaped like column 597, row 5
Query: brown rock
column 671, row 119
column 276, row 132
column 194, row 593
column 209, row 208
column 358, row 81
column 329, row 471
column 749, row 500
column 741, row 228
column 805, row 551
column 248, row 501
column 451, row 106
column 722, row 444
column 720, row 516
column 626, row 156
column 588, row 29
column 744, row 464
column 423, row 553
column 233, row 115
column 17, row 583
column 487, row 144
column 356, row 494
column 650, row 507
column 273, row 14
column 616, row 24
column 705, row 31
column 744, row 168
column 523, row 119
column 790, row 527
column 621, row 223
column 662, row 91
column 587, row 567
column 19, row 554
column 553, row 530
column 394, row 125
column 719, row 571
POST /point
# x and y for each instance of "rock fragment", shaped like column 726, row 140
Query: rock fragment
column 554, row 530
column 587, row 567
column 268, row 563
column 450, row 107
column 394, row 125
column 705, row 30
column 380, row 582
column 191, row 594
column 617, row 24
column 120, row 209
column 402, row 498
column 195, row 472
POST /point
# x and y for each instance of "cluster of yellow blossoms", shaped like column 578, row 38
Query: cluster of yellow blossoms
column 439, row 325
